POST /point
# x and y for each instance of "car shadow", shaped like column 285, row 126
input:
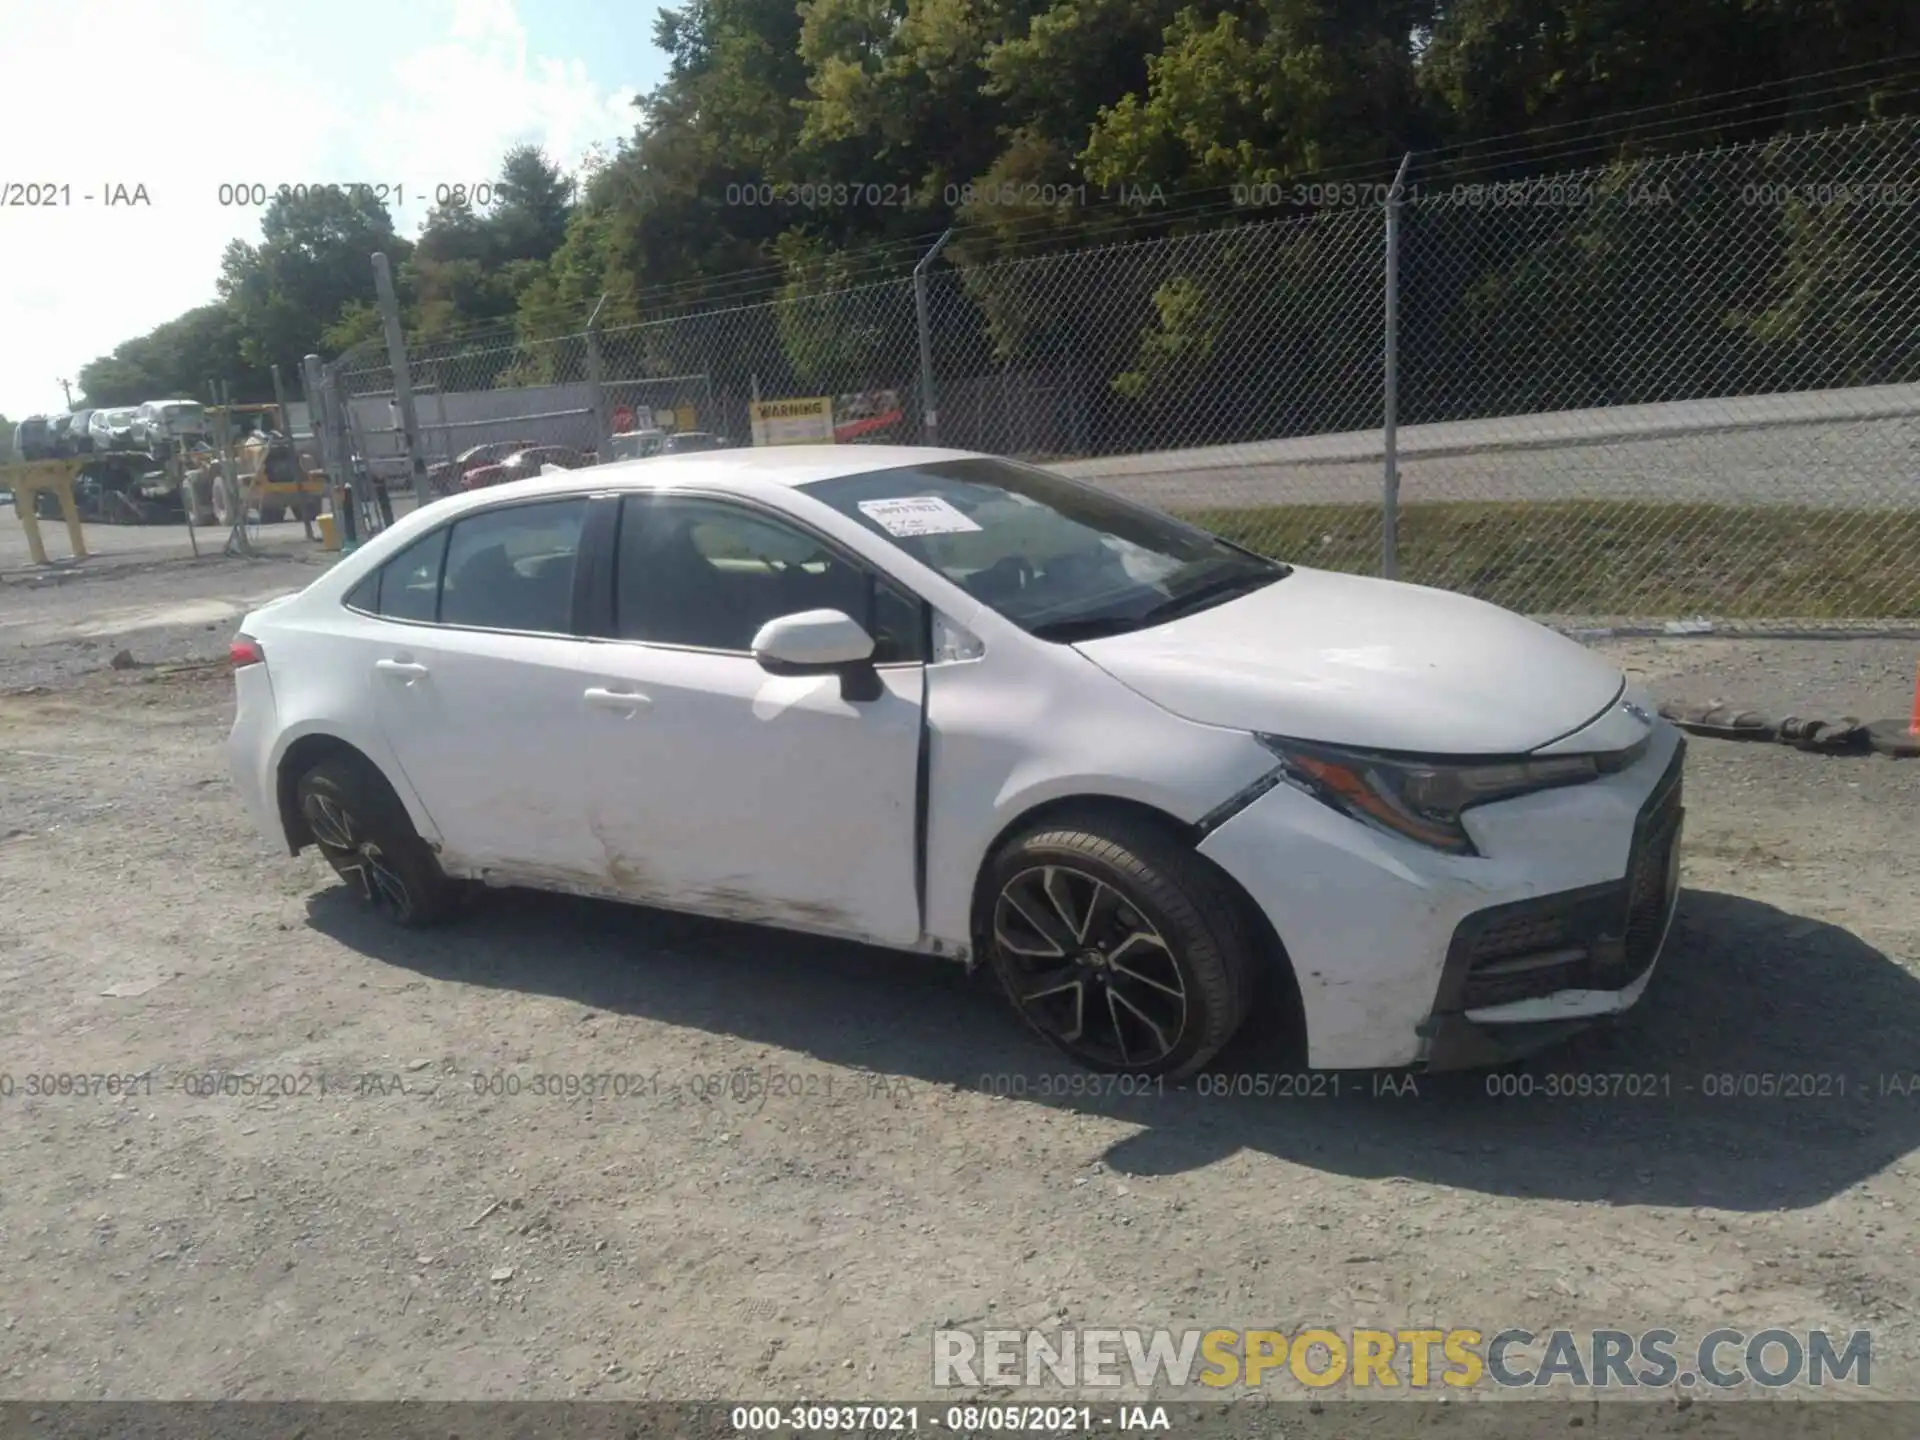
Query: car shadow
column 1764, row 1068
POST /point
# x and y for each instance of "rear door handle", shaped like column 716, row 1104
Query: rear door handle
column 400, row 667
column 624, row 700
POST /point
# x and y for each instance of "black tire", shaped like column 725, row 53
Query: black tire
column 361, row 827
column 1121, row 881
column 272, row 514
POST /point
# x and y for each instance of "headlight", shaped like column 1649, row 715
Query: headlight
column 1420, row 800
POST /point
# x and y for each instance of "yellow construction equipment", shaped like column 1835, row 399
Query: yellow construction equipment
column 272, row 478
column 31, row 479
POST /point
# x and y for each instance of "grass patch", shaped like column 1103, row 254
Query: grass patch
column 1615, row 558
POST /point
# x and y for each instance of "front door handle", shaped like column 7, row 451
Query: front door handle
column 623, row 700
column 400, row 667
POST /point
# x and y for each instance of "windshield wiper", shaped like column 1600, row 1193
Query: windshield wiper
column 1084, row 627
column 1215, row 592
column 1201, row 597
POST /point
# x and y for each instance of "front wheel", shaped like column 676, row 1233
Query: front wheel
column 1120, row 946
column 364, row 831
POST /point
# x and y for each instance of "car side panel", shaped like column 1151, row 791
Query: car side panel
column 321, row 670
column 251, row 742
column 1031, row 723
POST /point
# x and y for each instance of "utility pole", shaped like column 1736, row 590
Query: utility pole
column 409, row 422
column 929, row 406
column 1390, row 421
column 66, row 388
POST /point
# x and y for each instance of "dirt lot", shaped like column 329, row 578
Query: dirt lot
column 695, row 1235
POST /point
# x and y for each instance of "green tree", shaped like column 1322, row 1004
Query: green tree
column 313, row 260
column 532, row 200
column 1268, row 92
column 1499, row 66
column 178, row 357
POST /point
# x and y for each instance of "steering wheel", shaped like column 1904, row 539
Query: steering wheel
column 1015, row 571
column 787, row 567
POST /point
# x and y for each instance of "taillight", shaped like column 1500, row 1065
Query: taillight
column 244, row 650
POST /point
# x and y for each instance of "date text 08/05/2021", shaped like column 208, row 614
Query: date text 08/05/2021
column 869, row 1418
column 741, row 1083
column 774, row 1083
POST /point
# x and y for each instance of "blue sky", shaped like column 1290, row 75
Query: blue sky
column 413, row 93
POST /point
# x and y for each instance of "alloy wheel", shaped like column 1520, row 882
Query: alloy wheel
column 1089, row 969
column 355, row 858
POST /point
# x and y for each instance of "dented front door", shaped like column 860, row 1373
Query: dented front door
column 719, row 788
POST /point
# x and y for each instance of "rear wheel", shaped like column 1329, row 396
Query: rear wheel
column 272, row 514
column 361, row 827
column 1120, row 946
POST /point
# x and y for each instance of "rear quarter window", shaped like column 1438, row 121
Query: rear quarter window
column 407, row 587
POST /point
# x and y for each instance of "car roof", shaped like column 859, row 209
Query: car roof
column 745, row 471
column 741, row 469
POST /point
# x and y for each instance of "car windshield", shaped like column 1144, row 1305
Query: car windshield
column 118, row 417
column 1063, row 561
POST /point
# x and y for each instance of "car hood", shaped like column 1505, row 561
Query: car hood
column 1374, row 664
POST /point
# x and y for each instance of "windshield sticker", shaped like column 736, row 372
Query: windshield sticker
column 917, row 515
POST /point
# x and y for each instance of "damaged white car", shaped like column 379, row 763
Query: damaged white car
column 954, row 704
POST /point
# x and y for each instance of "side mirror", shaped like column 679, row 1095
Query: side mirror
column 813, row 642
column 820, row 642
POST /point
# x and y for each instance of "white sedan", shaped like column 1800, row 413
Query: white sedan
column 954, row 704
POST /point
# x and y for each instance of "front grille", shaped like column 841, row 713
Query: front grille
column 1604, row 937
column 1535, row 947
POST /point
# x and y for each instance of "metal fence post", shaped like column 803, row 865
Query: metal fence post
column 238, row 542
column 1390, row 420
column 320, row 427
column 440, row 404
column 929, row 407
column 597, row 381
column 379, row 504
column 402, row 384
column 339, row 408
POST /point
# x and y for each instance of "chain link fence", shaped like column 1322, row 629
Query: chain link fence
column 1683, row 387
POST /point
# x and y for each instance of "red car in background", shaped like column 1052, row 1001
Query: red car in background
column 450, row 475
column 524, row 463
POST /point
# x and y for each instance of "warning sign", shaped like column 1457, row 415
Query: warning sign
column 806, row 421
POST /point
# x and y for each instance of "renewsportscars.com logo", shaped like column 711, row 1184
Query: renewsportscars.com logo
column 1399, row 1359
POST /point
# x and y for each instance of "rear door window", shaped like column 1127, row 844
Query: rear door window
column 512, row 568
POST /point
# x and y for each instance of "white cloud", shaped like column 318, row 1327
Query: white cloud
column 229, row 92
column 464, row 102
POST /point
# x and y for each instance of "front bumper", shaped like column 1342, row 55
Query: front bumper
column 1406, row 957
column 1523, row 975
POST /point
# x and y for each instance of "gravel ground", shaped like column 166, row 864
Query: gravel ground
column 709, row 1231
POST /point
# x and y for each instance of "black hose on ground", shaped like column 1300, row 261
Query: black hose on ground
column 1847, row 735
